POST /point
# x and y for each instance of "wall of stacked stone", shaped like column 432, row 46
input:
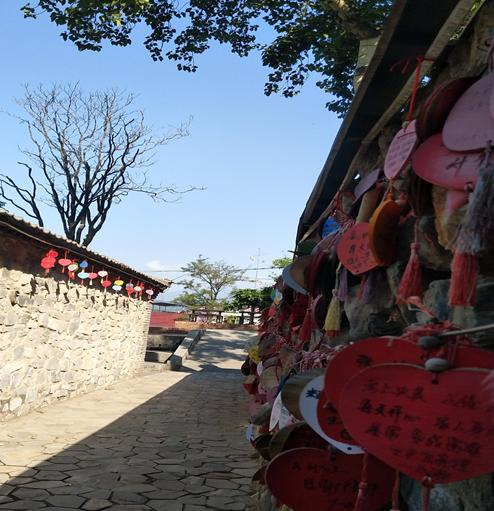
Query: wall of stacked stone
column 60, row 339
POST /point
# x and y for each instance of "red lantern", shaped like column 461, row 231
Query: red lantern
column 92, row 276
column 64, row 262
column 138, row 289
column 48, row 262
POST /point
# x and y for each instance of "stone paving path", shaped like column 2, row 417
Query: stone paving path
column 171, row 441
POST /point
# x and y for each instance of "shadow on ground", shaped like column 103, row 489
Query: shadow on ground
column 183, row 449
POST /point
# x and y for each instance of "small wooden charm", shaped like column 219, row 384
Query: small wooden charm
column 400, row 151
column 353, row 250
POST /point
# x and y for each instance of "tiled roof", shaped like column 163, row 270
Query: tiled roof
column 19, row 225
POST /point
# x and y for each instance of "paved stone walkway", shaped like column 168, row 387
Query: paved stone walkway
column 171, row 441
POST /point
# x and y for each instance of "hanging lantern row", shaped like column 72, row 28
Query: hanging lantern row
column 80, row 270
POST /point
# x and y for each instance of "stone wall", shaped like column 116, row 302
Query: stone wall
column 59, row 338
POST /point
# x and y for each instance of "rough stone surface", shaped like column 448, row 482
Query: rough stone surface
column 60, row 339
column 159, row 441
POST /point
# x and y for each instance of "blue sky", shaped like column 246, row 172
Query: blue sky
column 257, row 156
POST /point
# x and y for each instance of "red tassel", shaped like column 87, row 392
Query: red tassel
column 464, row 273
column 306, row 328
column 411, row 280
column 362, row 487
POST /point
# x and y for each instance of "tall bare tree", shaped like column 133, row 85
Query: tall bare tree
column 89, row 151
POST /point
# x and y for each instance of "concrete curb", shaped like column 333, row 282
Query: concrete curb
column 181, row 354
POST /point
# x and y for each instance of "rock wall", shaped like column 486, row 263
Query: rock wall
column 371, row 310
column 467, row 58
column 60, row 339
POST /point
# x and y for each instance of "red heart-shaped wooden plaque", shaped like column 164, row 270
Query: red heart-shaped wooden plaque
column 469, row 356
column 435, row 163
column 435, row 110
column 422, row 424
column 470, row 126
column 363, row 354
column 293, row 436
column 330, row 422
column 309, row 408
column 400, row 150
column 385, row 350
column 311, row 479
column 353, row 250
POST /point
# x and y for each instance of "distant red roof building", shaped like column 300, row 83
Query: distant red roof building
column 165, row 319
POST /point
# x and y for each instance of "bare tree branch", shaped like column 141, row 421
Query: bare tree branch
column 27, row 197
column 90, row 151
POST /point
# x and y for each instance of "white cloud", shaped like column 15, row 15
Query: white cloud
column 157, row 265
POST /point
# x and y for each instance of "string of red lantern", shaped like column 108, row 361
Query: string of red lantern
column 79, row 269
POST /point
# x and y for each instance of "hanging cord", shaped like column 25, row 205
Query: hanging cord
column 419, row 59
column 395, row 498
column 426, row 492
column 362, row 486
column 451, row 351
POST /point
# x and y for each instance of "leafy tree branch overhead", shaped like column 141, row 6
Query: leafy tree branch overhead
column 318, row 37
column 87, row 152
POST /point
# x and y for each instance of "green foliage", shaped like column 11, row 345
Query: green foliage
column 252, row 298
column 281, row 262
column 207, row 280
column 199, row 299
column 311, row 36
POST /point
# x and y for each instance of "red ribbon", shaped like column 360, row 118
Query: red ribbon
column 419, row 59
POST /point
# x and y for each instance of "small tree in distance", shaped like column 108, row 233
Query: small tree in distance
column 89, row 151
column 254, row 299
column 281, row 262
column 207, row 280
